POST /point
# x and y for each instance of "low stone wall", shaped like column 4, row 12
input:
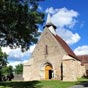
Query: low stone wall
column 18, row 77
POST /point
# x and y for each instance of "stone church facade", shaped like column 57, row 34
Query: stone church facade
column 52, row 58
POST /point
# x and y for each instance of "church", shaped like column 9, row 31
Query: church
column 52, row 58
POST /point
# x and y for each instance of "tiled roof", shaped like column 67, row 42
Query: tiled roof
column 83, row 58
column 65, row 46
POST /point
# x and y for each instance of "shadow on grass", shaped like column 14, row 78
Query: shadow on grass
column 28, row 84
column 84, row 83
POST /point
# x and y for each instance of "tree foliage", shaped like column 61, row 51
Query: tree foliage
column 3, row 61
column 7, row 70
column 3, row 58
column 19, row 69
column 7, row 73
column 19, row 21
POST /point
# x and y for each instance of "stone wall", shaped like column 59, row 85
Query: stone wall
column 80, row 69
column 18, row 77
column 72, row 69
column 69, row 73
column 86, row 69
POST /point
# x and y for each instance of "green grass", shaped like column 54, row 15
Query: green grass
column 37, row 84
column 83, row 79
column 40, row 84
column 56, row 84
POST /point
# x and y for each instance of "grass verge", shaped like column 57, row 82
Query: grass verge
column 40, row 84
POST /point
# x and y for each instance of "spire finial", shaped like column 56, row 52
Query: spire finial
column 48, row 18
column 49, row 22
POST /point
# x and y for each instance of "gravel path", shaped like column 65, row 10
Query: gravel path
column 78, row 86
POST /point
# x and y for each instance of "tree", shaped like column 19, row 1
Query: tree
column 19, row 69
column 19, row 21
column 3, row 61
column 7, row 72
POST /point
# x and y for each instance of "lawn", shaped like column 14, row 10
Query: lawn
column 38, row 84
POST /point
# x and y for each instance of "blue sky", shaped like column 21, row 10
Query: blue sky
column 80, row 27
column 71, row 19
column 79, row 6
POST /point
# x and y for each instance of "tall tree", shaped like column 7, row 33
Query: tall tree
column 3, row 58
column 3, row 61
column 19, row 21
column 7, row 73
column 7, row 70
column 19, row 69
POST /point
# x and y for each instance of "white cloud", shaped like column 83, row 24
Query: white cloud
column 65, row 17
column 51, row 10
column 68, row 36
column 16, row 63
column 6, row 49
column 81, row 50
column 16, row 54
column 32, row 48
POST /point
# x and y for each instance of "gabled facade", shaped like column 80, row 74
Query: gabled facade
column 52, row 58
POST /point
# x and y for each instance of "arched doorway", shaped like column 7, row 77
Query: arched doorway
column 48, row 72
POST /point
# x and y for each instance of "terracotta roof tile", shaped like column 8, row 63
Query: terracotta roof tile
column 65, row 47
column 83, row 58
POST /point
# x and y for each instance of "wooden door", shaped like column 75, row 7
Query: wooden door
column 48, row 68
